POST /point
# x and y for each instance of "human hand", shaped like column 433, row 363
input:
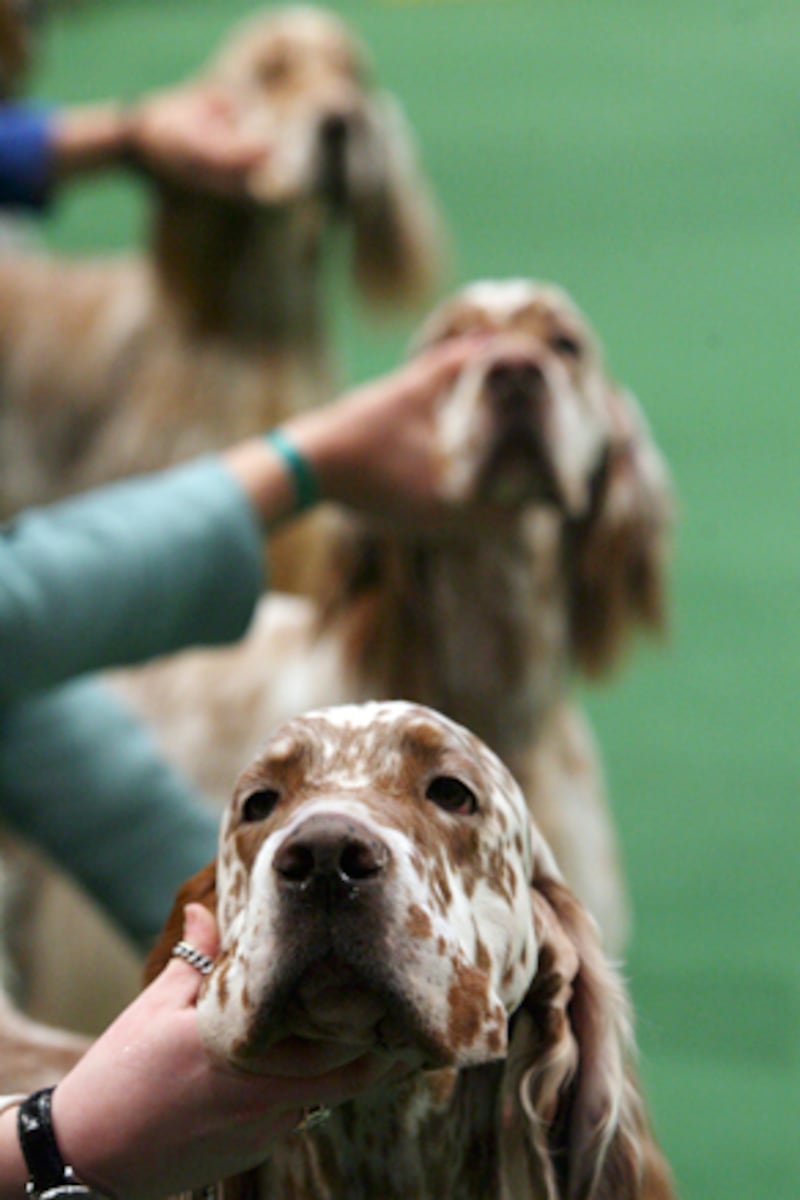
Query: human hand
column 149, row 1112
column 193, row 135
column 376, row 448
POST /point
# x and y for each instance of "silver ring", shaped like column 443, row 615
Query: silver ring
column 200, row 962
column 312, row 1117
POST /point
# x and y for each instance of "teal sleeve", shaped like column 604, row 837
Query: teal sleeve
column 84, row 781
column 128, row 572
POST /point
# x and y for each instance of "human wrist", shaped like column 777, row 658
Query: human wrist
column 13, row 1171
column 91, row 138
column 38, row 1162
column 87, row 1149
column 268, row 480
column 304, row 479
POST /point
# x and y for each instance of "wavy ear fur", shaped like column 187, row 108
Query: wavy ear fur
column 200, row 889
column 398, row 234
column 617, row 554
column 576, row 1127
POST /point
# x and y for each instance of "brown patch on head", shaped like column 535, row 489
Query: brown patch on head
column 221, row 982
column 419, row 924
column 483, row 959
column 468, row 1000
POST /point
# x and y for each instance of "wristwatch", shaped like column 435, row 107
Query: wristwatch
column 51, row 1178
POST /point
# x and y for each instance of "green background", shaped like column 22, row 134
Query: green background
column 647, row 156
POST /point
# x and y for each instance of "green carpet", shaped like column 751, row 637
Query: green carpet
column 648, row 157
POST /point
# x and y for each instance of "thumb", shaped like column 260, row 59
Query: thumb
column 200, row 929
column 200, row 934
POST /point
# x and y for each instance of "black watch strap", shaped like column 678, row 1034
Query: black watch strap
column 49, row 1175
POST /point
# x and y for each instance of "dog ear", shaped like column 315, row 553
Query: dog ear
column 575, row 1127
column 398, row 234
column 617, row 554
column 199, row 889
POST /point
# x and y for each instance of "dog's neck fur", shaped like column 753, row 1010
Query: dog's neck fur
column 238, row 271
column 475, row 626
column 409, row 1141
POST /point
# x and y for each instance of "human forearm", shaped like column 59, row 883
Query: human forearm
column 375, row 449
column 130, row 571
column 114, row 789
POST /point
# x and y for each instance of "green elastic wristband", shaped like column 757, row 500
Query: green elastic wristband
column 307, row 491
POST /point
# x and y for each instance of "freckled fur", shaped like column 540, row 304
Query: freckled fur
column 217, row 331
column 490, row 627
column 561, row 1117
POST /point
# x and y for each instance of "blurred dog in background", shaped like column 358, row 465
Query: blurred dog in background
column 109, row 367
column 490, row 625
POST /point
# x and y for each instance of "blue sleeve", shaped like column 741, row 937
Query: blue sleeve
column 25, row 156
column 84, row 781
column 126, row 573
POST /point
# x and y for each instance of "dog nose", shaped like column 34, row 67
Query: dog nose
column 515, row 384
column 334, row 130
column 331, row 849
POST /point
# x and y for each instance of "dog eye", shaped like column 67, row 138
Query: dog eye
column 273, row 70
column 260, row 805
column 568, row 346
column 452, row 795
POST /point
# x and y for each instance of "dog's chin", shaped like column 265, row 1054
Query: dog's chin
column 517, row 471
column 331, row 1001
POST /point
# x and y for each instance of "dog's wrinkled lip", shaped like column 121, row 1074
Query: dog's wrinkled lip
column 518, row 469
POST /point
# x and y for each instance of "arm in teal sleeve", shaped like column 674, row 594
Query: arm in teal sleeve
column 84, row 781
column 128, row 572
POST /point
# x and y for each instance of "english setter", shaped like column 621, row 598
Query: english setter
column 109, row 367
column 380, row 882
column 489, row 627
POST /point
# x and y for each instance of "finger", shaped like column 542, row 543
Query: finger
column 182, row 981
column 200, row 929
column 449, row 357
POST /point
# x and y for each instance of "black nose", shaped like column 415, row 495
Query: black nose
column 515, row 384
column 330, row 849
column 334, row 130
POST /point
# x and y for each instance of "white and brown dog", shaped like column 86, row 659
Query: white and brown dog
column 115, row 366
column 380, row 882
column 489, row 625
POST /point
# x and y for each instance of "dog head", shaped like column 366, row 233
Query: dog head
column 538, row 421
column 336, row 145
column 372, row 889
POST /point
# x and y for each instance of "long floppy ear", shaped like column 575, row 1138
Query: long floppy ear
column 576, row 1127
column 399, row 239
column 617, row 554
column 199, row 889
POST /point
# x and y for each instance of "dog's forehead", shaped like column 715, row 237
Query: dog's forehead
column 525, row 305
column 302, row 31
column 360, row 745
